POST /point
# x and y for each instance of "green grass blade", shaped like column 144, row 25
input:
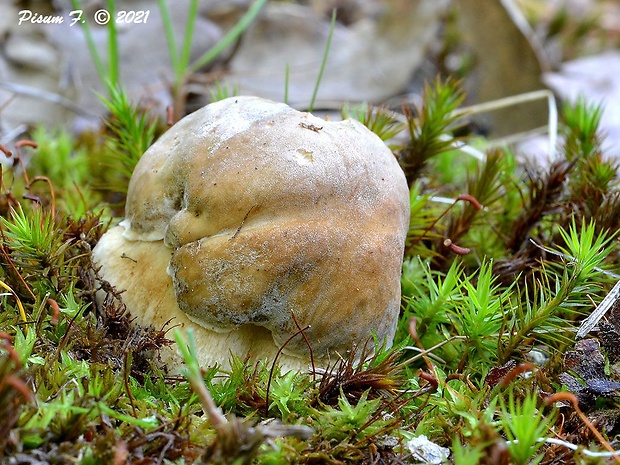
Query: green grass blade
column 287, row 73
column 230, row 37
column 189, row 33
column 92, row 48
column 112, row 47
column 332, row 26
column 172, row 44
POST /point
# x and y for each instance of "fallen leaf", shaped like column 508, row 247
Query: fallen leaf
column 507, row 62
column 369, row 60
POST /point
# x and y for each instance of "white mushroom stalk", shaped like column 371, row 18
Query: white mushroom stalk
column 249, row 221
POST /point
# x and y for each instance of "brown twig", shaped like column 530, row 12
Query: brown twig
column 461, row 198
column 303, row 334
column 413, row 332
column 51, row 187
column 126, row 370
column 26, row 143
column 20, row 386
column 456, row 249
column 6, row 151
column 558, row 396
column 55, row 310
column 273, row 365
column 512, row 374
column 7, row 257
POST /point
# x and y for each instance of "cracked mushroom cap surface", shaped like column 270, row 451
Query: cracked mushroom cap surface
column 249, row 221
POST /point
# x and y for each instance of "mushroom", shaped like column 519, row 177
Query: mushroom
column 250, row 221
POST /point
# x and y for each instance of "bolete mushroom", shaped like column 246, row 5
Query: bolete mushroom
column 249, row 220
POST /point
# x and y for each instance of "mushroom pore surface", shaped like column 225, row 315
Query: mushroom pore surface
column 266, row 217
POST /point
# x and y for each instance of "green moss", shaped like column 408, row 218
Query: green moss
column 528, row 251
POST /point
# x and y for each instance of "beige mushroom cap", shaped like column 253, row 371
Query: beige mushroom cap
column 248, row 212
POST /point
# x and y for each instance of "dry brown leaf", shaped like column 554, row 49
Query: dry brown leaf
column 505, row 64
column 369, row 60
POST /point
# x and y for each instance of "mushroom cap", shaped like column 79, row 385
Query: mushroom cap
column 266, row 218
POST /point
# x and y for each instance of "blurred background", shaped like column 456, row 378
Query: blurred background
column 381, row 52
